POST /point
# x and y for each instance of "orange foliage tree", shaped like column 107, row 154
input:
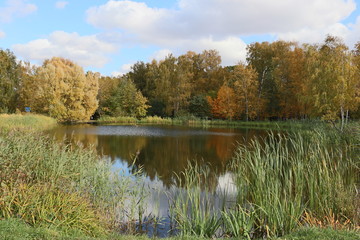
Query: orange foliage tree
column 225, row 105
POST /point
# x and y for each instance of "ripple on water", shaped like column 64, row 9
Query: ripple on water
column 155, row 131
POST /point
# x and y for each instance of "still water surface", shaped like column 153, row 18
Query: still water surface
column 162, row 151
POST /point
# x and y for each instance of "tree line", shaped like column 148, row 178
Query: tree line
column 279, row 80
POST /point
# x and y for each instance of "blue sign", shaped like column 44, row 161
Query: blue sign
column 27, row 109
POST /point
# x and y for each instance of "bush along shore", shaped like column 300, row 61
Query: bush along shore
column 296, row 183
column 198, row 122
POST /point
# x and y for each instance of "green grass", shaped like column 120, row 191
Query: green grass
column 27, row 122
column 321, row 234
column 15, row 229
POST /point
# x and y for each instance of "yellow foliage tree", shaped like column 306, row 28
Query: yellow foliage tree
column 246, row 88
column 62, row 90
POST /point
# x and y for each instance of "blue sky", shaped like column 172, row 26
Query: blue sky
column 109, row 36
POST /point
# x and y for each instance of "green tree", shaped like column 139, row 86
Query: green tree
column 138, row 75
column 199, row 106
column 356, row 84
column 126, row 100
column 10, row 79
column 208, row 73
column 107, row 85
column 268, row 61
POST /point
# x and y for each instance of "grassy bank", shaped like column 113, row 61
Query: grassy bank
column 193, row 121
column 14, row 229
column 26, row 122
column 62, row 187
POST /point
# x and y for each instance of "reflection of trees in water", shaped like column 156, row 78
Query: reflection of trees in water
column 166, row 157
column 123, row 147
column 70, row 134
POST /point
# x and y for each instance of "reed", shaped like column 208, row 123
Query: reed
column 45, row 183
column 198, row 122
column 26, row 122
column 287, row 175
column 108, row 119
column 193, row 207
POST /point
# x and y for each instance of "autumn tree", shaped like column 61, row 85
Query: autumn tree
column 225, row 105
column 246, row 90
column 10, row 76
column 172, row 84
column 293, row 83
column 333, row 80
column 28, row 85
column 62, row 90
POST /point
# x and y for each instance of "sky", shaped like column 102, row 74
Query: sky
column 110, row 36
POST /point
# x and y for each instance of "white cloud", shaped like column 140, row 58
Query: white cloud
column 125, row 68
column 316, row 35
column 218, row 24
column 88, row 51
column 2, row 34
column 16, row 8
column 161, row 54
column 231, row 49
column 219, row 17
column 61, row 4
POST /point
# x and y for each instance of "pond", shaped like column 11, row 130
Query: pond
column 162, row 152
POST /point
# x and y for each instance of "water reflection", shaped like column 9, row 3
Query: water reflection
column 162, row 152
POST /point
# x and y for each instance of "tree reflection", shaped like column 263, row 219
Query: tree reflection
column 164, row 157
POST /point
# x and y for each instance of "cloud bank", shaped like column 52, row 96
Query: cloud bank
column 219, row 24
column 194, row 25
column 87, row 51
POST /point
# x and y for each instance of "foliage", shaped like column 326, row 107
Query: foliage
column 224, row 105
column 62, row 90
column 280, row 80
column 199, row 106
column 126, row 100
column 333, row 84
column 107, row 85
column 10, row 81
column 246, row 89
